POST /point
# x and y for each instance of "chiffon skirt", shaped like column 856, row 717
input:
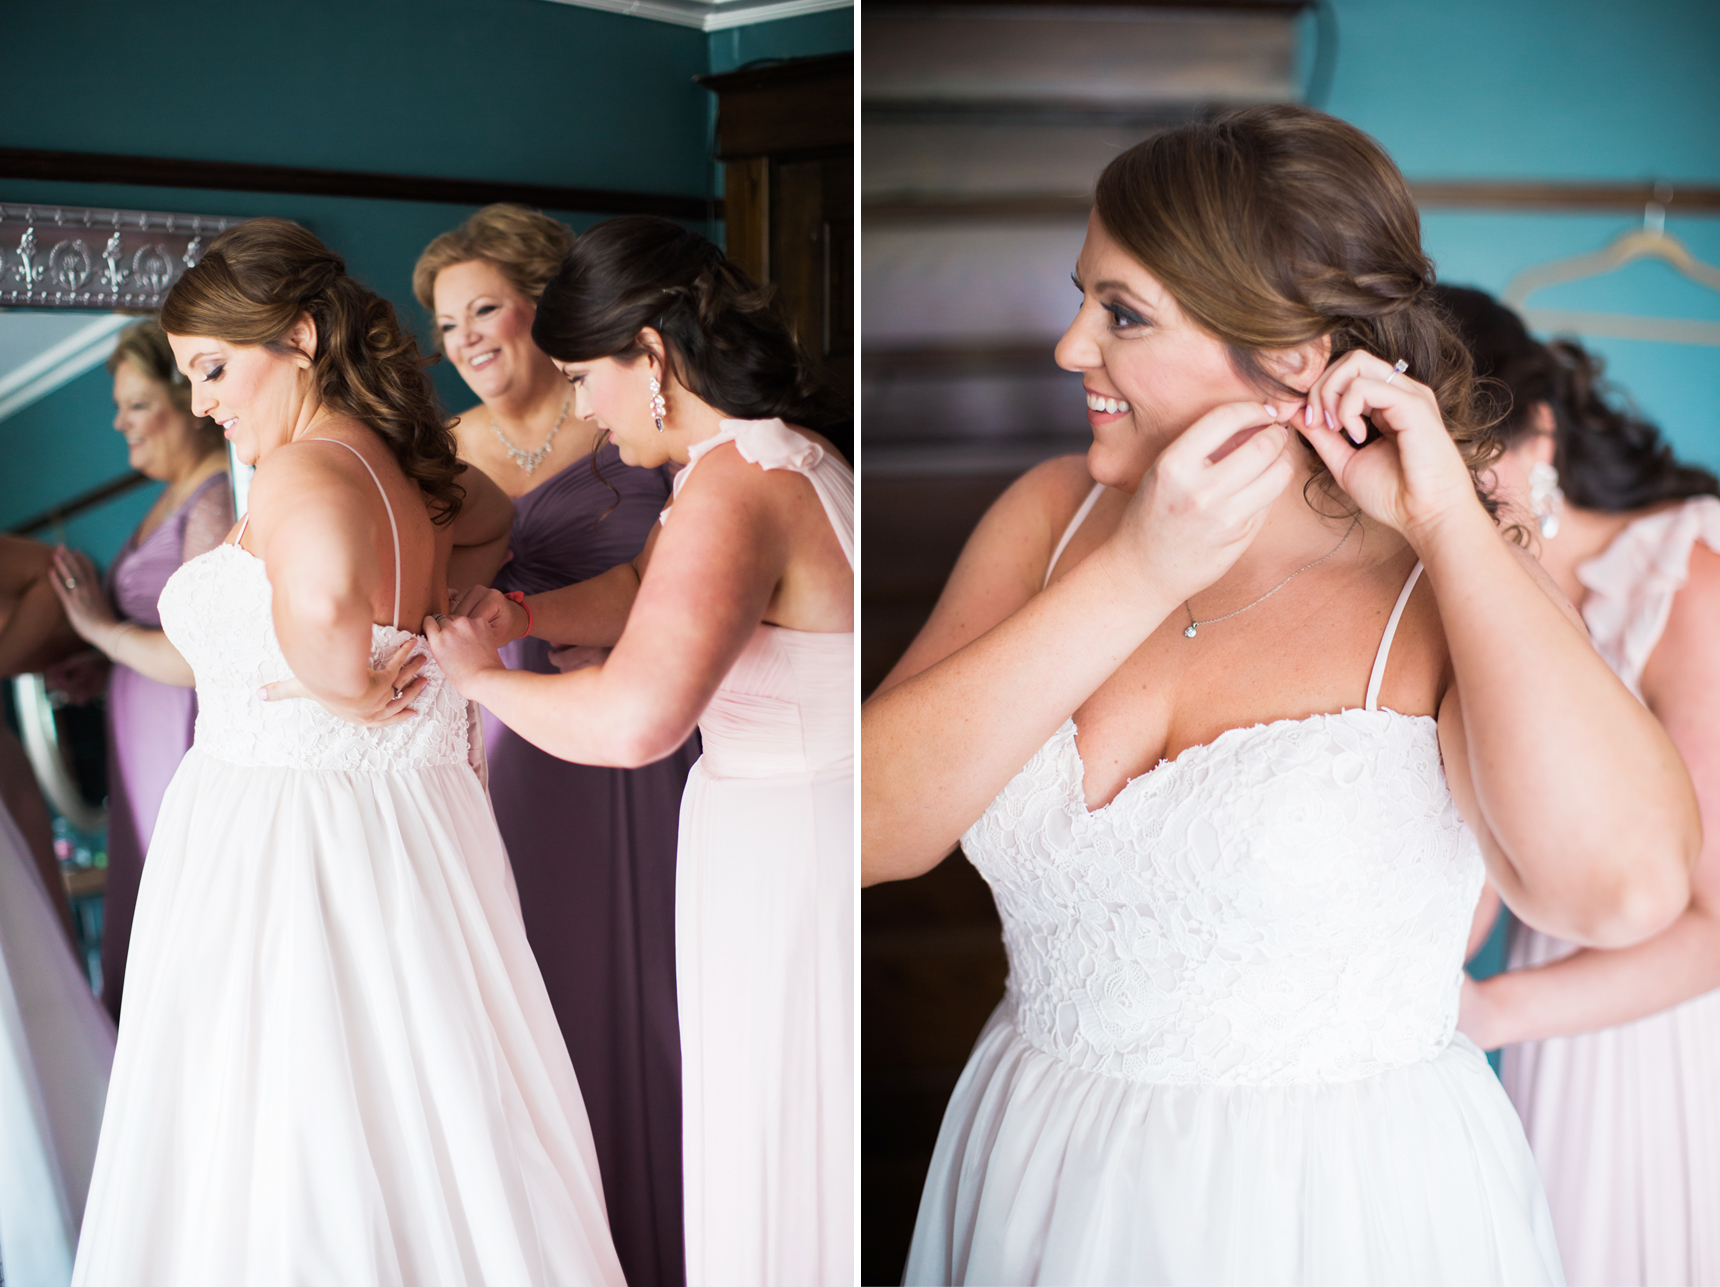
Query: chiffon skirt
column 764, row 957
column 338, row 1063
column 1047, row 1173
column 56, row 1043
column 1625, row 1124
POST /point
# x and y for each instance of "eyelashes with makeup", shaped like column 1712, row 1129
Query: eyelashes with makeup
column 213, row 373
column 480, row 311
column 1123, row 317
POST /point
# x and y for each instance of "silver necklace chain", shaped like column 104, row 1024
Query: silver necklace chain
column 1193, row 626
column 530, row 460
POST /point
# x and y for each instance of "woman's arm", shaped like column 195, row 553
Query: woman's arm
column 314, row 523
column 710, row 580
column 950, row 728
column 481, row 531
column 1599, row 988
column 1582, row 807
column 34, row 631
column 149, row 652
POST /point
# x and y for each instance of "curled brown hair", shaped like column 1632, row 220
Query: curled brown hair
column 258, row 279
column 144, row 345
column 1274, row 226
column 526, row 246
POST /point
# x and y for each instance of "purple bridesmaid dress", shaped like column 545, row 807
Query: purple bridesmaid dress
column 149, row 730
column 593, row 852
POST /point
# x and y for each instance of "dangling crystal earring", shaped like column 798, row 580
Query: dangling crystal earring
column 658, row 406
column 1545, row 498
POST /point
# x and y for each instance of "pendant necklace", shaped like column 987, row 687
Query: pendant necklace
column 530, row 460
column 1193, row 625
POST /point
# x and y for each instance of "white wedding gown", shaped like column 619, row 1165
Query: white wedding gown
column 338, row 1063
column 56, row 1043
column 1227, row 1052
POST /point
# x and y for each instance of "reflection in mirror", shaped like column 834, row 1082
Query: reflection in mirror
column 104, row 718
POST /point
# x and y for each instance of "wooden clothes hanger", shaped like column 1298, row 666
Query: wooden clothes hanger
column 1651, row 241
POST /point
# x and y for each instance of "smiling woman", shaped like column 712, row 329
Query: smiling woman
column 1236, row 866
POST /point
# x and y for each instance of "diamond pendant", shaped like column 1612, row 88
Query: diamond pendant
column 1189, row 632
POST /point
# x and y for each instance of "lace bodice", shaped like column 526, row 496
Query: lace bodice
column 1286, row 904
column 217, row 611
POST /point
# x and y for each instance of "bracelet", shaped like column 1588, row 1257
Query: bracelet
column 519, row 597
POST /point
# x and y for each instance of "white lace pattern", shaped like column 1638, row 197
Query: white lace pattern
column 1287, row 904
column 217, row 611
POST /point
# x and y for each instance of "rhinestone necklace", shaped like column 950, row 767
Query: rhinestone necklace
column 530, row 460
column 1193, row 626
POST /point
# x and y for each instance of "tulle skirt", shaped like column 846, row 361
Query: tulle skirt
column 1047, row 1173
column 338, row 1063
column 56, row 1043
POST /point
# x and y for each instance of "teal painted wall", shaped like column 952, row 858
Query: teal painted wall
column 1584, row 90
column 513, row 90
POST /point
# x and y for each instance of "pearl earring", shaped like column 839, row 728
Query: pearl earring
column 1545, row 498
column 658, row 406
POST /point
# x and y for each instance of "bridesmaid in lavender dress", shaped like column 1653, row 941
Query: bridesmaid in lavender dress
column 151, row 705
column 593, row 849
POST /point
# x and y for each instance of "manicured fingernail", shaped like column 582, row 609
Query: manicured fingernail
column 1357, row 435
column 1330, row 423
column 1270, row 410
column 1308, row 416
column 262, row 694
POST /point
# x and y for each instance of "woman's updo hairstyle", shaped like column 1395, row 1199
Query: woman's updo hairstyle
column 1273, row 226
column 527, row 247
column 727, row 343
column 1608, row 456
column 144, row 345
column 254, row 283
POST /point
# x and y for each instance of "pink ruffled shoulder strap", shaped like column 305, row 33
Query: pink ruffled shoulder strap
column 1631, row 583
column 770, row 444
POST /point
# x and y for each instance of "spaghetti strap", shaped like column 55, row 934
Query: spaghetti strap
column 1379, row 671
column 1068, row 532
column 393, row 527
column 243, row 524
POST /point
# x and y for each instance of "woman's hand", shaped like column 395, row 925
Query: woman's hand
column 1206, row 497
column 502, row 618
column 78, row 586
column 464, row 646
column 387, row 698
column 1413, row 476
column 1478, row 1018
column 80, row 678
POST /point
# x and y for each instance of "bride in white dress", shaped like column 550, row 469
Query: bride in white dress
column 1233, row 713
column 338, row 1063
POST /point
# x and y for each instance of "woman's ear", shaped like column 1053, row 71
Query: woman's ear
column 1300, row 366
column 651, row 340
column 1543, row 436
column 301, row 342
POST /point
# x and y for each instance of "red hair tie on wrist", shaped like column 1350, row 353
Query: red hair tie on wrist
column 519, row 597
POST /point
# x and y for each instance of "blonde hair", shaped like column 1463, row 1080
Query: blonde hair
column 528, row 247
column 144, row 344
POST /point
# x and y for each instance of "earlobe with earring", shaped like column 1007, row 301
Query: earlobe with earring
column 1545, row 498
column 658, row 406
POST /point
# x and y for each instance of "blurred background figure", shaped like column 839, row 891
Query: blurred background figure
column 151, row 705
column 1613, row 1057
column 1534, row 164
column 593, row 849
column 56, row 1041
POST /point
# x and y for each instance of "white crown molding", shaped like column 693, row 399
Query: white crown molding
column 60, row 365
column 711, row 15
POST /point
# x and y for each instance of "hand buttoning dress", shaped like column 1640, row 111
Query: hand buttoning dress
column 593, row 854
column 1625, row 1122
column 338, row 1065
column 764, row 936
column 149, row 724
column 1227, row 1052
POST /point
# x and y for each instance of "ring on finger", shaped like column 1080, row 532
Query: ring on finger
column 71, row 583
column 398, row 694
column 1398, row 368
